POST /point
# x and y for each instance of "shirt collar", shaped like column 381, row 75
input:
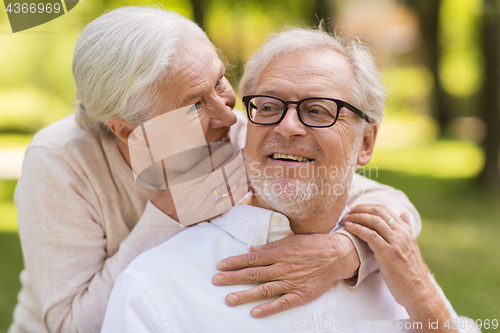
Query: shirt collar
column 256, row 226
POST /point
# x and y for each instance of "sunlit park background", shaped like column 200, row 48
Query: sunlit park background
column 439, row 142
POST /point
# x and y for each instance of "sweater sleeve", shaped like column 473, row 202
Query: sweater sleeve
column 64, row 243
column 366, row 191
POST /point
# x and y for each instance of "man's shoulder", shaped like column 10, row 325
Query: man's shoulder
column 196, row 246
column 64, row 132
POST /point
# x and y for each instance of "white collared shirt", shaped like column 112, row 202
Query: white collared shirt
column 169, row 288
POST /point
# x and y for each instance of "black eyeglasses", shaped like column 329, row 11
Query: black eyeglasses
column 313, row 112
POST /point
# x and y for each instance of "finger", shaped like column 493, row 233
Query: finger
column 263, row 291
column 280, row 304
column 268, row 246
column 247, row 275
column 373, row 222
column 252, row 259
column 405, row 216
column 380, row 210
column 370, row 236
column 373, row 209
column 386, row 213
column 377, row 209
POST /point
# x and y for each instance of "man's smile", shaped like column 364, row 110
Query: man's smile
column 289, row 157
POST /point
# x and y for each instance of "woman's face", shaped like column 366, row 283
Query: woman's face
column 200, row 80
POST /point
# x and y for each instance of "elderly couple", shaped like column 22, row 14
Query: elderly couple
column 102, row 253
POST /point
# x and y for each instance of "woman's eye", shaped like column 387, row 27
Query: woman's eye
column 219, row 81
column 198, row 105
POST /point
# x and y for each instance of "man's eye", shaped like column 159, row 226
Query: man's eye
column 198, row 105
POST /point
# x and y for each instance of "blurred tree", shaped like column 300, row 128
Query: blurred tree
column 199, row 12
column 323, row 10
column 428, row 14
column 490, row 93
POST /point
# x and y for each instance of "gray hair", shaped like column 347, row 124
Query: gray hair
column 367, row 93
column 122, row 58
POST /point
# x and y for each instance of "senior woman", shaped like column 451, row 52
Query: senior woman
column 82, row 217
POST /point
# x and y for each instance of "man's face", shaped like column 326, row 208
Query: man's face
column 288, row 184
column 200, row 80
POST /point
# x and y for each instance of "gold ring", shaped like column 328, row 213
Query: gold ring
column 391, row 221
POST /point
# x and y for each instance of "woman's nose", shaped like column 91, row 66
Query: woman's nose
column 221, row 113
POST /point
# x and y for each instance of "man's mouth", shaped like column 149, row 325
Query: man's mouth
column 289, row 157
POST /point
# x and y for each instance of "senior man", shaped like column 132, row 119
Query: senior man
column 314, row 102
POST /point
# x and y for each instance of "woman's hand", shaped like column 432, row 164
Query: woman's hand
column 395, row 249
column 300, row 268
column 399, row 260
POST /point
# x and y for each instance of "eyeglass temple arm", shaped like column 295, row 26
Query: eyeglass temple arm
column 357, row 111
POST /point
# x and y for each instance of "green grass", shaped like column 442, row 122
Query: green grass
column 459, row 242
column 442, row 159
column 11, row 261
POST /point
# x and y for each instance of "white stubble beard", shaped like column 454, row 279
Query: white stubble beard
column 295, row 198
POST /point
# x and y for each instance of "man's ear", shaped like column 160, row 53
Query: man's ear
column 367, row 145
column 121, row 128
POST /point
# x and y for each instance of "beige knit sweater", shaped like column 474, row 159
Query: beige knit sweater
column 82, row 220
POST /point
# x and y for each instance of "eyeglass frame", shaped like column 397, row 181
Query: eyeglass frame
column 340, row 104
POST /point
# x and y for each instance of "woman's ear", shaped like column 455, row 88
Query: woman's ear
column 121, row 128
column 367, row 145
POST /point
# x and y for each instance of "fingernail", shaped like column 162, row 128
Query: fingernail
column 221, row 266
column 256, row 312
column 348, row 224
column 345, row 217
column 254, row 248
column 218, row 279
column 232, row 299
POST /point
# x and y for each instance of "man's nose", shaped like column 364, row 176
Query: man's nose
column 291, row 125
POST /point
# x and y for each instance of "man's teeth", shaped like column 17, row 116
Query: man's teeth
column 281, row 156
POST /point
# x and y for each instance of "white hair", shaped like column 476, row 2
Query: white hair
column 122, row 58
column 367, row 93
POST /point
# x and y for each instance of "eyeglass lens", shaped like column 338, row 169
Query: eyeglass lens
column 314, row 112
